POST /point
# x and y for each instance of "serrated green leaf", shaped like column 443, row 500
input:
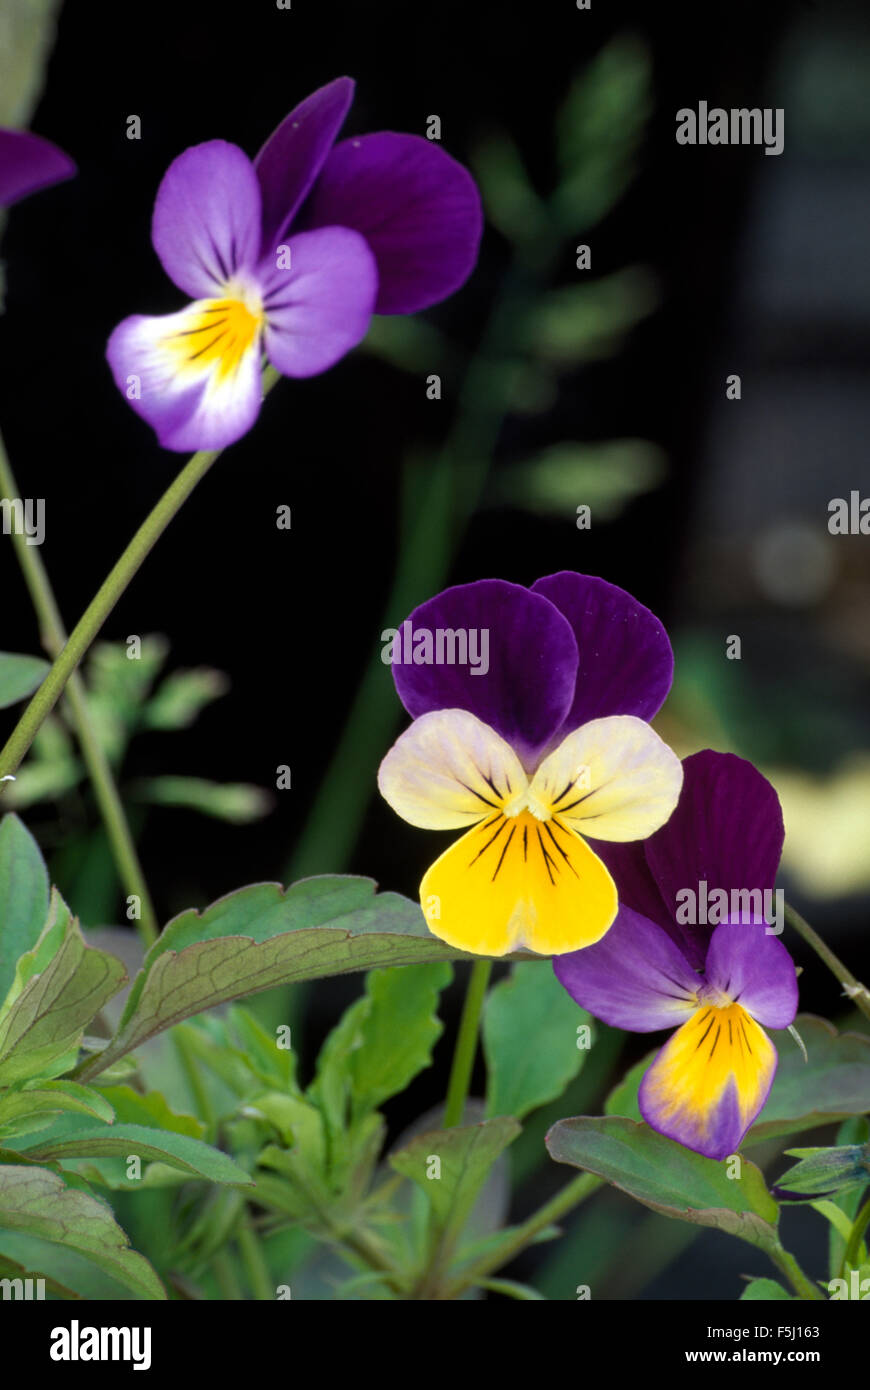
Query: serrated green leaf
column 180, row 1151
column 530, row 1040
column 765, row 1289
column 464, row 1157
column 19, row 677
column 397, row 1032
column 264, row 936
column 39, row 1203
column 23, row 894
column 41, row 1031
column 667, row 1177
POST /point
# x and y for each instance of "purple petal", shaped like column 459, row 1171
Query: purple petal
column 321, row 307
column 526, row 683
column 418, row 209
column 726, row 832
column 27, row 164
column 636, row 885
column 755, row 970
column 206, row 223
column 295, row 152
column 634, row 977
column 626, row 663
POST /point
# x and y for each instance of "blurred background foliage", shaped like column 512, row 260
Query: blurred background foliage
column 561, row 387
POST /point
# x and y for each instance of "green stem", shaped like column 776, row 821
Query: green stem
column 466, row 1043
column 852, row 987
column 856, row 1235
column 788, row 1265
column 254, row 1261
column 53, row 636
column 551, row 1212
column 107, row 596
column 225, row 1274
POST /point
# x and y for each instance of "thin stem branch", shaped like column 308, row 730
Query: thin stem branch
column 53, row 637
column 104, row 601
column 856, row 1235
column 466, row 1043
column 254, row 1261
column 788, row 1265
column 852, row 987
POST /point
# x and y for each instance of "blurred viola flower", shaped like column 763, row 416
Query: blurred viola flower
column 541, row 744
column 28, row 164
column 720, row 981
column 383, row 223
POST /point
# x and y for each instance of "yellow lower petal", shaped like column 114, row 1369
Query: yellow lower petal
column 518, row 883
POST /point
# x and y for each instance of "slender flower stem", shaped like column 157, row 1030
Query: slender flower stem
column 853, row 1245
column 225, row 1274
column 571, row 1195
column 466, row 1043
column 858, row 993
column 788, row 1265
column 254, row 1261
column 105, row 599
column 53, row 636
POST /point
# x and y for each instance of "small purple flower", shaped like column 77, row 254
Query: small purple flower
column 536, row 746
column 655, row 970
column 383, row 223
column 28, row 164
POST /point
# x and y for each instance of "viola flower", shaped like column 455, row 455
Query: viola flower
column 290, row 255
column 28, row 164
column 544, row 743
column 720, row 982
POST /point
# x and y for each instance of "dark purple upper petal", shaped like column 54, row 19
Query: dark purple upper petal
column 754, row 970
column 726, row 831
column 635, row 884
column 295, row 152
column 418, row 209
column 626, row 664
column 532, row 663
column 27, row 164
column 206, row 223
column 634, row 977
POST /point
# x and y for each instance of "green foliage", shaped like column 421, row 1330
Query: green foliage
column 606, row 477
column 19, row 677
column 530, row 1039
column 23, row 895
column 765, row 1290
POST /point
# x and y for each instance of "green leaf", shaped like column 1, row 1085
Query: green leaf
column 667, row 1177
column 19, row 677
column 23, row 896
column 465, row 1155
column 182, row 696
column 588, row 322
column 48, row 1098
column 604, row 476
column 833, row 1084
column 191, row 1156
column 10, row 1269
column 39, row 1203
column 264, row 936
column 530, row 1041
column 599, row 129
column 766, row 1289
column 41, row 1031
column 397, row 1032
column 131, row 1107
column 852, row 1131
column 236, row 802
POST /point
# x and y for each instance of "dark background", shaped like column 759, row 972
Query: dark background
column 761, row 269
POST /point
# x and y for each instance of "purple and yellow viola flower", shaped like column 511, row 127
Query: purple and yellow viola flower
column 28, row 164
column 289, row 254
column 721, row 984
column 546, row 745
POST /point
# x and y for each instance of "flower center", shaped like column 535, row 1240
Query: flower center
column 220, row 332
